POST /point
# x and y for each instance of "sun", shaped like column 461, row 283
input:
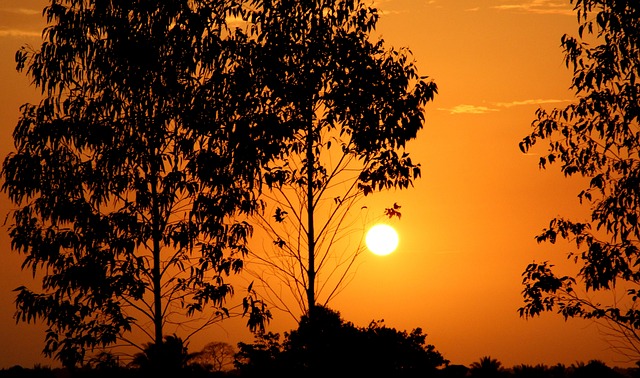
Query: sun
column 382, row 239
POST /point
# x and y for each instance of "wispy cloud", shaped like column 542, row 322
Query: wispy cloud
column 23, row 11
column 538, row 101
column 497, row 106
column 384, row 12
column 19, row 13
column 539, row 7
column 19, row 33
column 469, row 109
column 384, row 7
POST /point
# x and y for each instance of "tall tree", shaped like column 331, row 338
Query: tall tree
column 598, row 138
column 134, row 175
column 352, row 104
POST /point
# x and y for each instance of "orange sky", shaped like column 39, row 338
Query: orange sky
column 468, row 225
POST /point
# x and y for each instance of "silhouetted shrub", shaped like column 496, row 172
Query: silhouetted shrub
column 169, row 357
column 327, row 346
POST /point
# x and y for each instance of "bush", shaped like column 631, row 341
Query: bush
column 328, row 346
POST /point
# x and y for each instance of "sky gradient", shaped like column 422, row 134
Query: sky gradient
column 468, row 226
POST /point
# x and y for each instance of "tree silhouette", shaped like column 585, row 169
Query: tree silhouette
column 214, row 357
column 172, row 352
column 329, row 346
column 595, row 369
column 598, row 138
column 486, row 367
column 263, row 357
column 352, row 104
column 134, row 176
column 530, row 371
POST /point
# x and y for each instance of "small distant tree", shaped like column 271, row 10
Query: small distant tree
column 598, row 138
column 353, row 104
column 214, row 357
column 172, row 352
column 532, row 371
column 133, row 177
column 558, row 371
column 261, row 358
column 486, row 367
column 104, row 362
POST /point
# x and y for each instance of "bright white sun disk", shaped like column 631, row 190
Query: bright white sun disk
column 382, row 239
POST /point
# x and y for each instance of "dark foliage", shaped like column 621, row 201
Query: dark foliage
column 134, row 174
column 594, row 369
column 591, row 369
column 169, row 357
column 487, row 367
column 330, row 346
column 597, row 138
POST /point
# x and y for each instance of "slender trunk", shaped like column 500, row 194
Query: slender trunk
column 157, row 293
column 156, row 272
column 311, row 272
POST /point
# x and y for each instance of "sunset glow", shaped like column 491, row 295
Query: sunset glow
column 469, row 221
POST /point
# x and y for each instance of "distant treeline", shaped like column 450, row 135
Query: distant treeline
column 327, row 347
column 481, row 369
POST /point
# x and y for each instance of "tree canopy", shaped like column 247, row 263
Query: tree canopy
column 134, row 175
column 596, row 137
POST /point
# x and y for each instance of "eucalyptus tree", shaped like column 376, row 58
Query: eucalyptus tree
column 134, row 175
column 598, row 138
column 352, row 104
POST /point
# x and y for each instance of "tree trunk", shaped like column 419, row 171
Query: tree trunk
column 156, row 272
column 311, row 241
